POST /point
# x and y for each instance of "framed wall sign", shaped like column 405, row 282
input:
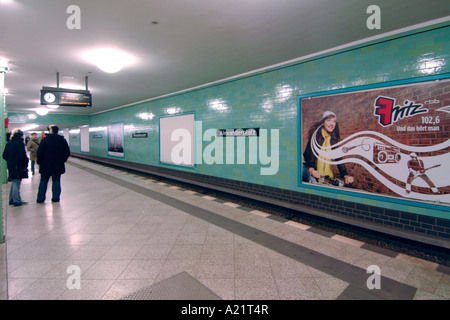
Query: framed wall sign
column 391, row 140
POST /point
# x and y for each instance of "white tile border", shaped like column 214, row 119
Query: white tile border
column 297, row 225
column 346, row 240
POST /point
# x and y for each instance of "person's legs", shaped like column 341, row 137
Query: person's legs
column 409, row 181
column 42, row 190
column 14, row 194
column 430, row 183
column 12, row 191
column 306, row 177
column 56, row 188
column 32, row 168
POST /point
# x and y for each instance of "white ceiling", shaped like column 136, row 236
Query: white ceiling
column 194, row 42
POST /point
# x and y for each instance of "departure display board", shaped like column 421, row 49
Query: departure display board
column 66, row 97
column 75, row 99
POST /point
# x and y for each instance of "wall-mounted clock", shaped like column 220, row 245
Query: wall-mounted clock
column 49, row 97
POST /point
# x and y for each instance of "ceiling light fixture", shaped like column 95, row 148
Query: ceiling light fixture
column 41, row 111
column 3, row 64
column 53, row 106
column 109, row 60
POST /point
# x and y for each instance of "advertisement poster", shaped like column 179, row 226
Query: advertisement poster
column 115, row 140
column 386, row 141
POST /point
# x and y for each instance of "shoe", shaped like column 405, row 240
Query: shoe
column 55, row 200
column 37, row 201
column 22, row 204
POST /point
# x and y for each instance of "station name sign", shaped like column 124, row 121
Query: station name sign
column 66, row 97
column 241, row 132
column 140, row 135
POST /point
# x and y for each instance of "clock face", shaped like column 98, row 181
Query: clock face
column 49, row 97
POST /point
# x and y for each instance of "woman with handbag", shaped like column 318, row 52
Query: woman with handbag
column 17, row 160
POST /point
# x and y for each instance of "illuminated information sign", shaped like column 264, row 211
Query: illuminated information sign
column 66, row 97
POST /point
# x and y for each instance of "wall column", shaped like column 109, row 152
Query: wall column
column 3, row 177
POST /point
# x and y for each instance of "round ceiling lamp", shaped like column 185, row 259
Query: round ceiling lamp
column 41, row 111
column 109, row 60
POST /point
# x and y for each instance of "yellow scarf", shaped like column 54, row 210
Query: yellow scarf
column 325, row 168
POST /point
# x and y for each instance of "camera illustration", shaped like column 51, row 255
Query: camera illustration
column 385, row 154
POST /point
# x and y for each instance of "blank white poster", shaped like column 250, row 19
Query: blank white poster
column 84, row 134
column 176, row 139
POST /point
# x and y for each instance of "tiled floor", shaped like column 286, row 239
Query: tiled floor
column 121, row 232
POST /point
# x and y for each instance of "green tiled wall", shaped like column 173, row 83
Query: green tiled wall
column 268, row 100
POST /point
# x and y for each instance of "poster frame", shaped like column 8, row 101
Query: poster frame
column 193, row 167
column 361, row 193
column 88, row 138
column 122, row 156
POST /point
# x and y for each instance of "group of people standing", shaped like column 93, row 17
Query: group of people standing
column 50, row 153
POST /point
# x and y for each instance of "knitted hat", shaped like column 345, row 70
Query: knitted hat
column 328, row 113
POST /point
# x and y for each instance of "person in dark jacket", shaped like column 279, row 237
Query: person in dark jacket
column 17, row 162
column 52, row 154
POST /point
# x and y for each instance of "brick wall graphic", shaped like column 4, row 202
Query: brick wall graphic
column 391, row 140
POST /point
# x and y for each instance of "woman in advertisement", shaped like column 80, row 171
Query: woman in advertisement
column 314, row 168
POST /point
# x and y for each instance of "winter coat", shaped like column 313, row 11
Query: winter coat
column 16, row 158
column 32, row 147
column 52, row 153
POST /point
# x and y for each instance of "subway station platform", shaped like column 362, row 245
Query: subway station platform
column 115, row 235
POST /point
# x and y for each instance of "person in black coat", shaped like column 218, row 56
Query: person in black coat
column 52, row 154
column 17, row 162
